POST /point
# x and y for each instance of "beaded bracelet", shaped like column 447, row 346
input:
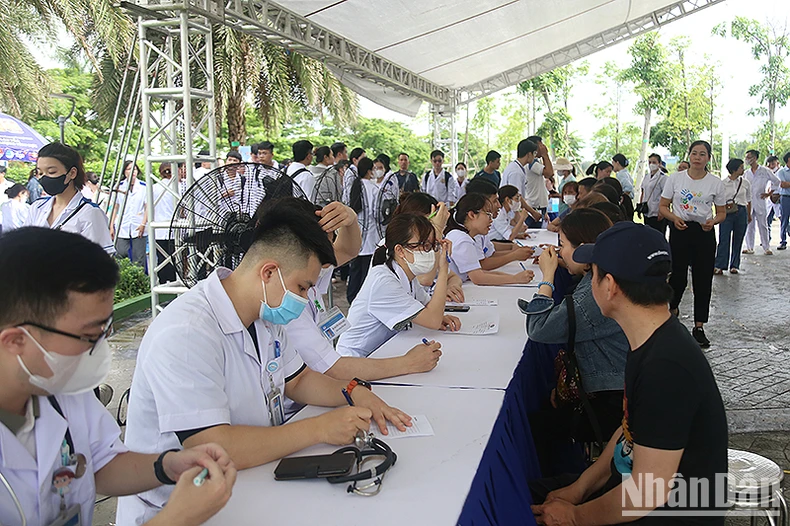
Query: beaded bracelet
column 550, row 284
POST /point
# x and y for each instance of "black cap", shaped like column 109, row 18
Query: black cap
column 627, row 251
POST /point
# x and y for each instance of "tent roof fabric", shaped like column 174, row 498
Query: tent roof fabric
column 464, row 42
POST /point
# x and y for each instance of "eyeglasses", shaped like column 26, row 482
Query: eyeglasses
column 106, row 330
column 424, row 247
column 489, row 214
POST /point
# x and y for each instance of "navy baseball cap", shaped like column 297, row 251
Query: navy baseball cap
column 627, row 251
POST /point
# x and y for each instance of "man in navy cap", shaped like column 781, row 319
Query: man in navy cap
column 674, row 421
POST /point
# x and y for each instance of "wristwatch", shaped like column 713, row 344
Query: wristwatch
column 159, row 469
column 355, row 382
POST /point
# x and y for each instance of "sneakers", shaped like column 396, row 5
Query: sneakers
column 782, row 246
column 699, row 335
column 718, row 271
column 734, row 271
column 769, row 252
column 747, row 251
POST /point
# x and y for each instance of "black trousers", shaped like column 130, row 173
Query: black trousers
column 357, row 272
column 168, row 272
column 693, row 248
column 658, row 224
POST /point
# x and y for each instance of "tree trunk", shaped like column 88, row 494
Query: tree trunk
column 685, row 98
column 772, row 124
column 643, row 153
column 237, row 121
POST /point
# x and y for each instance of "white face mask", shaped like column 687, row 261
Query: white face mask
column 569, row 199
column 653, row 168
column 515, row 206
column 378, row 174
column 72, row 374
column 423, row 262
column 460, row 173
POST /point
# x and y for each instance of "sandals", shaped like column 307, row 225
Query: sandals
column 718, row 271
column 733, row 271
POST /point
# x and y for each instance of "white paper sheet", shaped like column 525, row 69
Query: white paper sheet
column 489, row 325
column 473, row 303
column 420, row 427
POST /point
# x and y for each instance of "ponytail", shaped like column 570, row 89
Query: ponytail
column 399, row 231
column 468, row 203
column 355, row 195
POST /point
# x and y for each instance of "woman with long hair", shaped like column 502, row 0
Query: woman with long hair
column 362, row 199
column 467, row 229
column 62, row 176
column 392, row 298
column 692, row 196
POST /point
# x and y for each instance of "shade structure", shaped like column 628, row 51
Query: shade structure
column 18, row 141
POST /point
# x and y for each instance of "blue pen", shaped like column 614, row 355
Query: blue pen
column 425, row 341
column 522, row 265
column 348, row 398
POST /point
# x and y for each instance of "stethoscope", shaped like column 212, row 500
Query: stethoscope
column 14, row 498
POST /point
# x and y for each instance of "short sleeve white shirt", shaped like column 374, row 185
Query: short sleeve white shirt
column 13, row 214
column 693, row 200
column 738, row 190
column 387, row 300
column 467, row 253
column 198, row 367
column 134, row 211
column 165, row 204
column 501, row 227
column 761, row 180
column 94, row 434
column 535, row 192
column 89, row 221
column 514, row 174
column 368, row 218
column 435, row 185
column 652, row 186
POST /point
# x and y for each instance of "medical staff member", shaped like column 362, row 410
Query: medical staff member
column 363, row 199
column 469, row 220
column 62, row 176
column 763, row 181
column 215, row 365
column 392, row 297
column 314, row 346
column 58, row 445
column 509, row 221
column 130, row 232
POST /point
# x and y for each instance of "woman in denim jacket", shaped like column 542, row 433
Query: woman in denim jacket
column 600, row 345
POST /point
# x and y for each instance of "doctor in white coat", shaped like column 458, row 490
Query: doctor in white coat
column 58, row 445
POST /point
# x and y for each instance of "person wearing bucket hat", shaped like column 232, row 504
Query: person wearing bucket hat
column 565, row 172
column 674, row 420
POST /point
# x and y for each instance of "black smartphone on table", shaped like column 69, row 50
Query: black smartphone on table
column 456, row 308
column 316, row 466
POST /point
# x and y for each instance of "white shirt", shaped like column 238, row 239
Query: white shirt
column 386, row 301
column 626, row 181
column 467, row 252
column 13, row 214
column 693, row 200
column 89, row 221
column 368, row 218
column 165, row 205
column 308, row 181
column 462, row 187
column 529, row 181
column 652, row 186
column 199, row 172
column 94, row 434
column 198, row 367
column 435, row 185
column 761, row 180
column 501, row 227
column 303, row 333
column 5, row 185
column 740, row 185
column 134, row 211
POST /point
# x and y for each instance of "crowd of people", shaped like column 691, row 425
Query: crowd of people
column 261, row 330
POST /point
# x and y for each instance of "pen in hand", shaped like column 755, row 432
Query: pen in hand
column 348, row 398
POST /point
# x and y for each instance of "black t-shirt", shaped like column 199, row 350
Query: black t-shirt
column 672, row 402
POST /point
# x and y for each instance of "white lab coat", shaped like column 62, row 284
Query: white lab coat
column 89, row 222
column 762, row 180
column 94, row 433
column 435, row 185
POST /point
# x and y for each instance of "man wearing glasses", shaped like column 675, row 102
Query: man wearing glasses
column 58, row 445
column 439, row 182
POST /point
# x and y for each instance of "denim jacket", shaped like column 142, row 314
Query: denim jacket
column 601, row 346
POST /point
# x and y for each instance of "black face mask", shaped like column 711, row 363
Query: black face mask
column 54, row 185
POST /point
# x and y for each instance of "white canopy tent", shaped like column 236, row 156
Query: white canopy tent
column 398, row 53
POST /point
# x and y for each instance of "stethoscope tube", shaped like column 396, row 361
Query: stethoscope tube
column 15, row 499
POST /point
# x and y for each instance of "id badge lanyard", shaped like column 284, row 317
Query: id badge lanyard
column 274, row 400
column 72, row 466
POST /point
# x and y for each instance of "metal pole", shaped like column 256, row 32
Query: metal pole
column 146, row 134
column 115, row 120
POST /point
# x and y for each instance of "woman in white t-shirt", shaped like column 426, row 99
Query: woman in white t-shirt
column 391, row 299
column 15, row 211
column 509, row 222
column 692, row 194
column 470, row 219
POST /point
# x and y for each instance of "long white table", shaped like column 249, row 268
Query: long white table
column 431, row 479
column 427, row 485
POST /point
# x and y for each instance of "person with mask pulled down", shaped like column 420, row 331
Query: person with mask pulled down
column 216, row 364
column 59, row 446
column 62, row 176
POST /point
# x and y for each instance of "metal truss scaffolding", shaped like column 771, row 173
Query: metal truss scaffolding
column 177, row 86
column 177, row 115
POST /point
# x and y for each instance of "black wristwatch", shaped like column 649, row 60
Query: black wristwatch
column 159, row 470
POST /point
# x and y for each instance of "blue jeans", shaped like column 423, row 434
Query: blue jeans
column 784, row 203
column 731, row 233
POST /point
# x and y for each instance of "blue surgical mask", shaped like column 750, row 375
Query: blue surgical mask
column 290, row 308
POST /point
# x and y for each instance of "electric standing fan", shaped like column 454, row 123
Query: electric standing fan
column 386, row 202
column 327, row 188
column 214, row 221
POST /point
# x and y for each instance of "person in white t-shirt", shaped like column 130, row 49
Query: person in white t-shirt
column 528, row 175
column 298, row 169
column 392, row 297
column 15, row 211
column 467, row 229
column 166, row 196
column 363, row 199
column 509, row 222
column 693, row 194
column 5, row 184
